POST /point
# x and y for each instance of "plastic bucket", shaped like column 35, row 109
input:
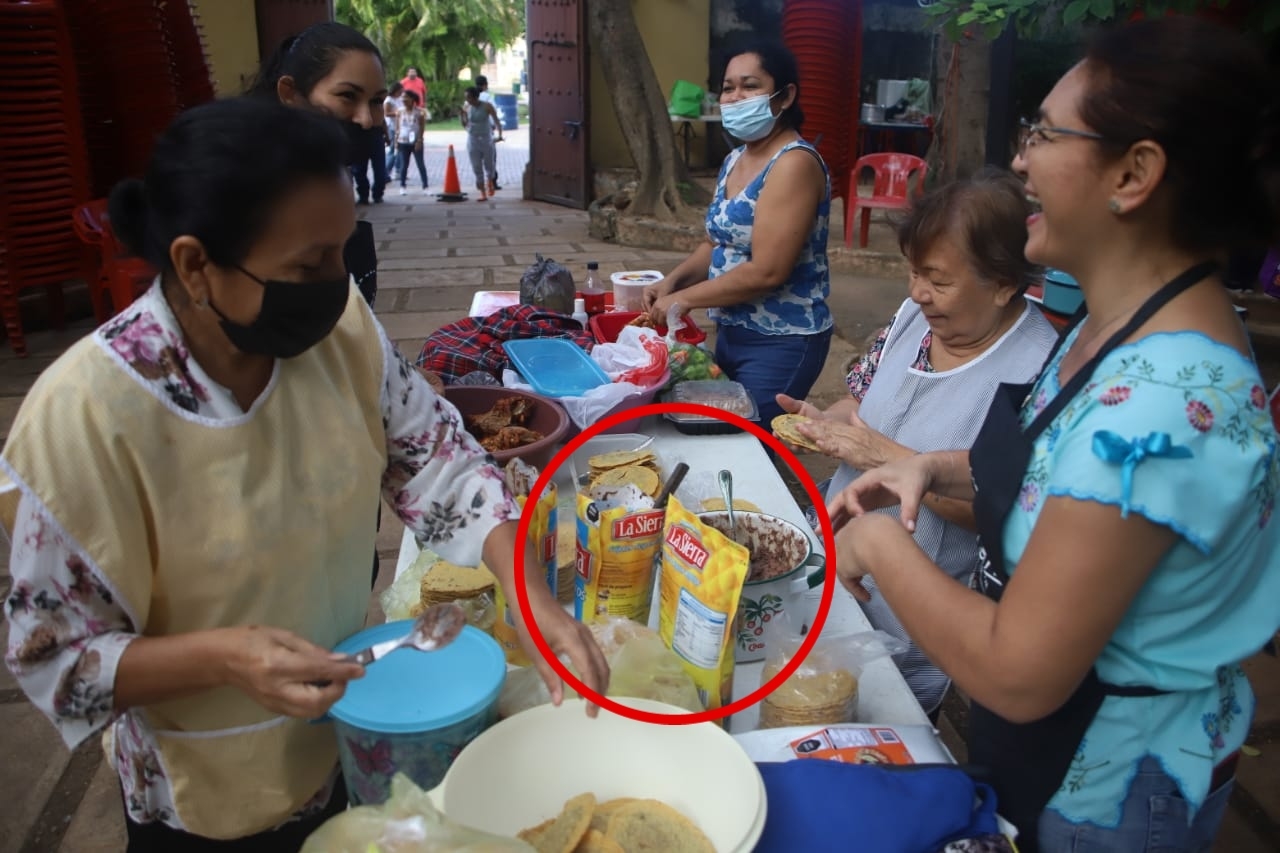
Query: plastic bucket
column 1061, row 292
column 413, row 711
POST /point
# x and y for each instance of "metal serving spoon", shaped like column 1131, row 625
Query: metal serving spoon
column 435, row 628
column 726, row 491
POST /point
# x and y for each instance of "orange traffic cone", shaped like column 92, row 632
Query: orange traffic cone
column 452, row 187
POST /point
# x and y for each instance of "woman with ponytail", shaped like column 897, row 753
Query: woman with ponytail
column 189, row 493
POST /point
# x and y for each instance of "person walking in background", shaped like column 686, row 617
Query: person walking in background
column 391, row 109
column 486, row 97
column 371, row 151
column 410, row 124
column 480, row 119
column 413, row 82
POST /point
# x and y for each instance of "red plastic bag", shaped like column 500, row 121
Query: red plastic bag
column 639, row 356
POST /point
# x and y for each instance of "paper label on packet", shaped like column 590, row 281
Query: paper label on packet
column 854, row 745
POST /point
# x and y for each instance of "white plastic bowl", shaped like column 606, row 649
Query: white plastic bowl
column 522, row 771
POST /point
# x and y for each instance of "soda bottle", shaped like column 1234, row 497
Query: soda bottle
column 593, row 293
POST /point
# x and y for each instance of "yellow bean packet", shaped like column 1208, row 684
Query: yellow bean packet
column 703, row 572
column 542, row 534
column 618, row 543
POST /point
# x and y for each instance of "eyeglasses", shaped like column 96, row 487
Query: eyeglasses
column 1032, row 134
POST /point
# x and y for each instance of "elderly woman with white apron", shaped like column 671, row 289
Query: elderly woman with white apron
column 965, row 329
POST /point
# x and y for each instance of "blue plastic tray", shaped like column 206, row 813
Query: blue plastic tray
column 555, row 367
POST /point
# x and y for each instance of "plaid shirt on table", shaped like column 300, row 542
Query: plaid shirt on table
column 475, row 343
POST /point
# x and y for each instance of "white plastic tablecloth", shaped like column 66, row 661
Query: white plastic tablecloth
column 883, row 695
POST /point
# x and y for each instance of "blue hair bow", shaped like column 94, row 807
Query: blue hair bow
column 1110, row 447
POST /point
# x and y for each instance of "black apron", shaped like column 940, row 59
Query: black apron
column 1028, row 761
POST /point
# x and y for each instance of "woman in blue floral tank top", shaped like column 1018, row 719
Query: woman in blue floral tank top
column 762, row 272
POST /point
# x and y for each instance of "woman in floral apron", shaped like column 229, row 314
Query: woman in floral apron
column 182, row 489
column 1129, row 556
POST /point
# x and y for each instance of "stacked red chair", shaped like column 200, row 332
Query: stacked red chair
column 826, row 38
column 43, row 160
column 140, row 62
column 118, row 279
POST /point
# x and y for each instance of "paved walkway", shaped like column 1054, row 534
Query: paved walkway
column 512, row 155
column 433, row 257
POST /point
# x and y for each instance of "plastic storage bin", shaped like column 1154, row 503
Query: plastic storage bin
column 718, row 393
column 555, row 367
column 399, row 719
column 1061, row 292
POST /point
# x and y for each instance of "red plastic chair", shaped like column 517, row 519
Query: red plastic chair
column 121, row 278
column 890, row 191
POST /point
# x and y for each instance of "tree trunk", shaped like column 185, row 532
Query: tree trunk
column 959, row 143
column 641, row 109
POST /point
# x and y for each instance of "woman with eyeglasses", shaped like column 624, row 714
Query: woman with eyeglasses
column 1129, row 557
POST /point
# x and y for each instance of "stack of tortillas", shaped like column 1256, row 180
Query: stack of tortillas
column 445, row 581
column 809, row 698
column 566, row 554
column 637, row 468
column 623, row 825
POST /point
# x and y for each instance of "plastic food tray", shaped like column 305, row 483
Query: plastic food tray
column 606, row 327
column 555, row 367
column 719, row 393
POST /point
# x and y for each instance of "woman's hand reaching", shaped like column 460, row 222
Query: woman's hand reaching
column 654, row 292
column 566, row 636
column 902, row 483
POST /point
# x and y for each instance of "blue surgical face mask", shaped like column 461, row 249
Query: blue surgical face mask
column 749, row 119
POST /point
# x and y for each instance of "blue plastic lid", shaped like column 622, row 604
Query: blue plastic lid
column 555, row 367
column 1059, row 277
column 413, row 691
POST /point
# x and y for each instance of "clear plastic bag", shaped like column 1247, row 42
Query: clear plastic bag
column 640, row 666
column 548, row 285
column 824, row 689
column 400, row 600
column 408, row 822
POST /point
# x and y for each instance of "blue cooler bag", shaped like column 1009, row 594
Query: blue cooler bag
column 818, row 806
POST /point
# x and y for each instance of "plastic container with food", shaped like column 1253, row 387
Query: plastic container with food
column 628, row 288
column 401, row 718
column 719, row 394
column 606, row 327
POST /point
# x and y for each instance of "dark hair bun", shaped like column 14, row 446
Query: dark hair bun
column 128, row 212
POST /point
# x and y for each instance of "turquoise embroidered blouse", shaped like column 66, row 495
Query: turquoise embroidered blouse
column 1173, row 427
column 798, row 306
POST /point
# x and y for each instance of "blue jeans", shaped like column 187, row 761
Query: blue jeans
column 1153, row 819
column 767, row 365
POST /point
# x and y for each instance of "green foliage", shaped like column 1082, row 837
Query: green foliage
column 957, row 17
column 439, row 37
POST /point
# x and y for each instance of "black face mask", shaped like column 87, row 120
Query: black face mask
column 295, row 316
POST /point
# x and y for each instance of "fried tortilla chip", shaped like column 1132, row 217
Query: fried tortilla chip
column 566, row 830
column 649, row 826
column 620, row 458
column 597, row 842
column 644, row 479
column 606, row 810
column 784, row 427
